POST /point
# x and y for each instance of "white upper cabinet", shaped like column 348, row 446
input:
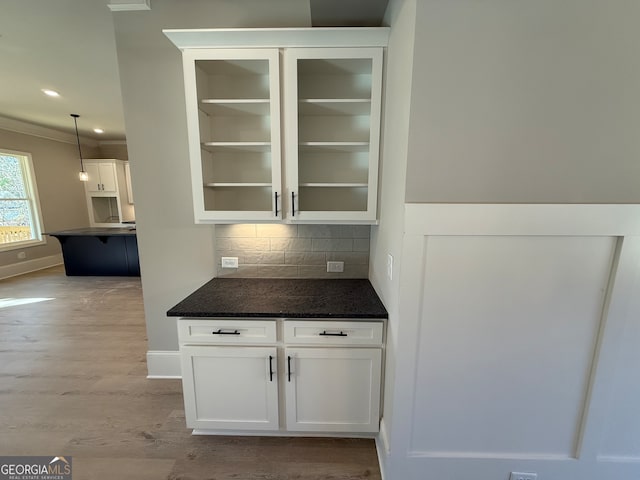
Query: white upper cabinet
column 322, row 166
column 102, row 178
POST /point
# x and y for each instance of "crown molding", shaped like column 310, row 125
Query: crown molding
column 18, row 126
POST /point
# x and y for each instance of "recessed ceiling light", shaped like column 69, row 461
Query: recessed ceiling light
column 50, row 93
column 98, row 130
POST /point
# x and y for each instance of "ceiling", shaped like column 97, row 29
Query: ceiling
column 69, row 46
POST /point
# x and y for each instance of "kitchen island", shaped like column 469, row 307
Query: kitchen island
column 265, row 356
column 99, row 251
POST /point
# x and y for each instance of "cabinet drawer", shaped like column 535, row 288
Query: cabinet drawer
column 321, row 332
column 226, row 331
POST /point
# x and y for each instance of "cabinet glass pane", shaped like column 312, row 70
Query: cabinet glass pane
column 237, row 198
column 333, row 199
column 232, row 79
column 236, row 167
column 334, row 129
column 235, row 134
column 330, row 166
column 334, row 78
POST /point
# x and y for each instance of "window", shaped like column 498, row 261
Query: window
column 20, row 222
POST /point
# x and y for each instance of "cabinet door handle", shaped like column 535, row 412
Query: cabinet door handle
column 222, row 332
column 276, row 195
column 293, row 204
column 289, row 367
column 270, row 368
column 329, row 334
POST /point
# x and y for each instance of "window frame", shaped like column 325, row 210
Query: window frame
column 29, row 178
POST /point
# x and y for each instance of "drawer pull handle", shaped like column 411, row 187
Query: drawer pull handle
column 222, row 332
column 329, row 334
column 270, row 368
column 289, row 366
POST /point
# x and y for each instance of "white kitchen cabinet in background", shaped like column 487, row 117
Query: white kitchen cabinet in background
column 102, row 177
column 106, row 192
column 322, row 85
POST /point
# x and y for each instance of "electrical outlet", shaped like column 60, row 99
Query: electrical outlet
column 335, row 267
column 229, row 262
column 523, row 476
column 390, row 266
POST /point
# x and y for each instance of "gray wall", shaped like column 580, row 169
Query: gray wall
column 525, row 102
column 62, row 197
column 176, row 256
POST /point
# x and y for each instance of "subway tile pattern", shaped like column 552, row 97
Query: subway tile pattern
column 293, row 251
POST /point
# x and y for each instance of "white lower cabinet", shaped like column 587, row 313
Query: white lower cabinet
column 313, row 376
column 230, row 387
column 333, row 389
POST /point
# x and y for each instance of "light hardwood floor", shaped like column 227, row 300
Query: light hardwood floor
column 73, row 382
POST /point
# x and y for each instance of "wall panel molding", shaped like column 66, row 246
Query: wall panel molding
column 613, row 231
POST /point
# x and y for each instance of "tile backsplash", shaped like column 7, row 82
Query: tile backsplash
column 302, row 251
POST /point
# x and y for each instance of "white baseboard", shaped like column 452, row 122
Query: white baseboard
column 163, row 364
column 382, row 447
column 20, row 268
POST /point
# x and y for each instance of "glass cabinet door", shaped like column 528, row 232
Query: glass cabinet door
column 332, row 108
column 233, row 114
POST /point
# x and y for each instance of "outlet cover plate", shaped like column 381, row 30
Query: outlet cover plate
column 229, row 262
column 335, row 267
column 523, row 476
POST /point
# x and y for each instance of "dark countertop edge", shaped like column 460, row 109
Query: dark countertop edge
column 270, row 316
column 96, row 232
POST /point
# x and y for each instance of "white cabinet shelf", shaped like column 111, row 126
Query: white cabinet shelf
column 236, row 147
column 334, row 146
column 334, row 185
column 226, row 107
column 335, row 106
column 331, row 101
column 237, row 185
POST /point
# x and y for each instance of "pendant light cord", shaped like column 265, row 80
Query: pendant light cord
column 75, row 121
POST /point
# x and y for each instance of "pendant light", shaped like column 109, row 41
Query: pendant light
column 82, row 175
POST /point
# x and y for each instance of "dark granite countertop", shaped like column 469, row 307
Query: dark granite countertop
column 282, row 298
column 94, row 232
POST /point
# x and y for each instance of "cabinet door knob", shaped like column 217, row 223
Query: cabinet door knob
column 289, row 367
column 222, row 332
column 270, row 368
